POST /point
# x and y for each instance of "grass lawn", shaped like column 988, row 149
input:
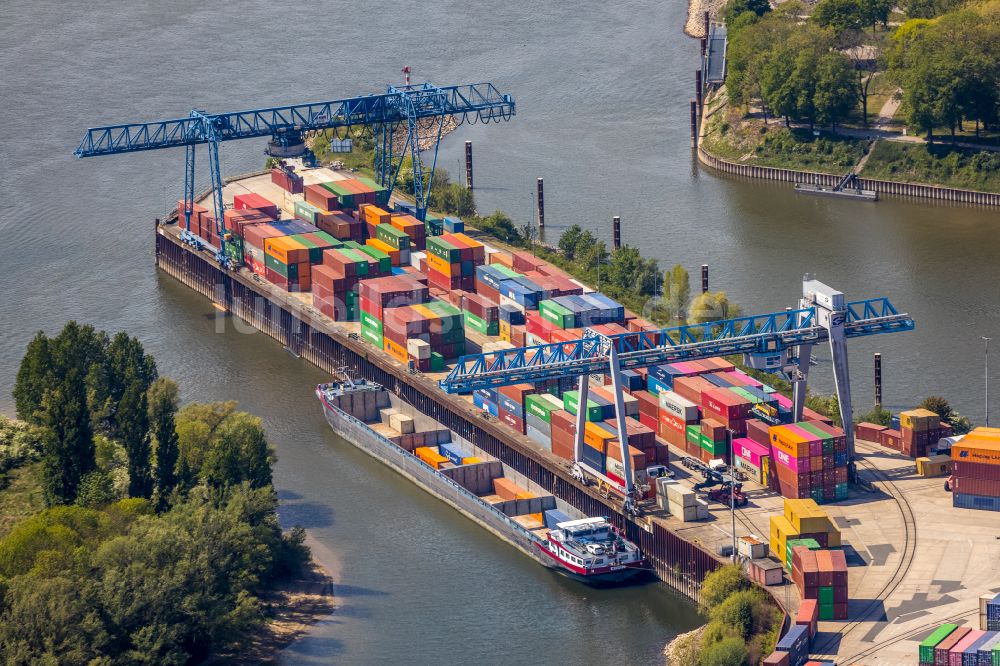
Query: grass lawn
column 20, row 496
column 935, row 164
column 749, row 141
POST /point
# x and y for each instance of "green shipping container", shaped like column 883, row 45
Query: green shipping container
column 437, row 362
column 442, row 249
column 826, row 613
column 306, row 211
column 344, row 196
column 926, row 652
column 359, row 258
column 290, row 271
column 571, row 401
column 694, row 434
column 372, row 336
column 353, row 245
column 381, row 194
column 556, row 314
column 810, row 428
column 372, row 322
column 384, row 260
column 481, row 326
column 825, row 595
column 790, row 544
column 715, row 448
column 315, row 249
column 390, row 235
column 542, row 405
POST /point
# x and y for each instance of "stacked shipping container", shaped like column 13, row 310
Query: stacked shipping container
column 810, row 461
column 975, row 479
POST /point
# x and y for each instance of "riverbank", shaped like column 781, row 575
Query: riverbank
column 294, row 607
column 749, row 147
column 695, row 24
column 683, row 650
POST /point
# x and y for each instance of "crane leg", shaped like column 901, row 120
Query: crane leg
column 216, row 170
column 581, row 423
column 188, row 185
column 842, row 382
column 616, row 383
column 800, row 382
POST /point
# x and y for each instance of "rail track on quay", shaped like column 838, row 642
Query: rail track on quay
column 876, row 604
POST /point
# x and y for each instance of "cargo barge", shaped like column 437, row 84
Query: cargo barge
column 587, row 549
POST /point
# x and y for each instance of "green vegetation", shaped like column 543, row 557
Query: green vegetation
column 161, row 531
column 947, row 67
column 792, row 70
column 960, row 424
column 752, row 141
column 936, row 164
column 743, row 620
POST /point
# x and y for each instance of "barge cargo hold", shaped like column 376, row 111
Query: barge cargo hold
column 293, row 322
column 483, row 489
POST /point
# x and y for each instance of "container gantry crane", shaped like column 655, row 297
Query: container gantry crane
column 387, row 116
column 777, row 342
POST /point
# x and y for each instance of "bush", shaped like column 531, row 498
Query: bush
column 727, row 652
column 741, row 611
column 721, row 583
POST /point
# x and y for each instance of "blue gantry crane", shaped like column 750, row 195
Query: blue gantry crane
column 411, row 109
column 778, row 342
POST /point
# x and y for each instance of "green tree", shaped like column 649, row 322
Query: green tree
column 569, row 240
column 677, row 291
column 835, row 91
column 67, row 440
column 876, row 12
column 938, row 405
column 96, row 489
column 712, row 306
column 720, row 584
column 34, row 377
column 501, row 226
column 163, row 402
column 841, row 15
column 627, row 270
column 132, row 417
column 735, row 8
column 741, row 611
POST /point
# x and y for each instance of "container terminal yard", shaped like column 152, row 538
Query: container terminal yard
column 544, row 374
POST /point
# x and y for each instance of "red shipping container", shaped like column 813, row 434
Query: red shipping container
column 254, row 201
column 320, row 197
column 725, row 402
column 197, row 211
column 808, row 615
column 690, row 388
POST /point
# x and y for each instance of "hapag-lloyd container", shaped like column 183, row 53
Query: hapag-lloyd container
column 749, row 450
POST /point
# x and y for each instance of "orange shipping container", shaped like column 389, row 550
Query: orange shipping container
column 506, row 488
column 375, row 215
column 384, row 247
column 430, row 456
column 439, row 264
column 286, row 250
column 398, row 352
column 596, row 437
column 979, row 446
column 788, row 441
column 502, row 258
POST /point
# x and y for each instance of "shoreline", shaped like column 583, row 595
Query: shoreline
column 294, row 606
column 694, row 26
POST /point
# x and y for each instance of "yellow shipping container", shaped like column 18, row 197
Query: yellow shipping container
column 470, row 461
column 470, row 241
column 596, row 437
column 919, row 420
column 505, row 330
column 934, row 466
column 781, row 531
column 807, row 518
column 790, row 442
column 426, row 312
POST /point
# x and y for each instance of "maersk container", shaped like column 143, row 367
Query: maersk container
column 553, row 517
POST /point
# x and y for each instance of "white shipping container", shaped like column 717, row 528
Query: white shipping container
column 683, row 409
column 418, row 348
column 416, row 257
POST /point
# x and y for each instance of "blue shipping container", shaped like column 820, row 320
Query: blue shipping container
column 489, row 394
column 454, row 452
column 982, row 502
column 970, row 657
column 490, row 276
column 488, row 405
column 510, row 406
column 398, row 271
column 594, row 458
column 993, row 609
column 655, row 386
column 511, row 314
column 553, row 517
column 796, row 644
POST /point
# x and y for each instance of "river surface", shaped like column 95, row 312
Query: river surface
column 602, row 97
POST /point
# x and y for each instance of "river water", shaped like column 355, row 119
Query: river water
column 602, row 92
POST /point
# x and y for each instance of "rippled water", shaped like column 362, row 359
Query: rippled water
column 602, row 93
